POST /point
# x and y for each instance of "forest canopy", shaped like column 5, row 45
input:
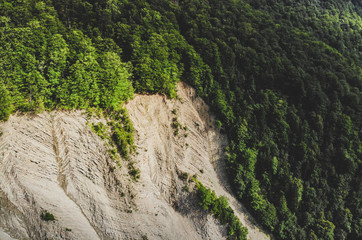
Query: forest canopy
column 284, row 79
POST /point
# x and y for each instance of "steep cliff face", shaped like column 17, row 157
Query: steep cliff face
column 53, row 162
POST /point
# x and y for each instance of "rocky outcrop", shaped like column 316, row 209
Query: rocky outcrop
column 53, row 162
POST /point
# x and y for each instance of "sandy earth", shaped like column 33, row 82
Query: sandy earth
column 54, row 162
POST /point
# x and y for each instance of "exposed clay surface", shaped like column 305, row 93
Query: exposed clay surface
column 54, row 162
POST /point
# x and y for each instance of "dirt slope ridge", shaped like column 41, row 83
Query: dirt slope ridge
column 197, row 150
column 54, row 162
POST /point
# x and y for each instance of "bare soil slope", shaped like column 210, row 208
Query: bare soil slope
column 54, row 162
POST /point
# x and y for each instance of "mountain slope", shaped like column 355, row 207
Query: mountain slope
column 54, row 162
column 283, row 78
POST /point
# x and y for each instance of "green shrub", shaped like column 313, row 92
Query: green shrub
column 219, row 207
column 184, row 176
column 134, row 172
column 47, row 216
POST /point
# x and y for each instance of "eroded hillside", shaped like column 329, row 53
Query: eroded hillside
column 54, row 162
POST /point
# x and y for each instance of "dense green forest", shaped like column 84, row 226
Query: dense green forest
column 283, row 77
